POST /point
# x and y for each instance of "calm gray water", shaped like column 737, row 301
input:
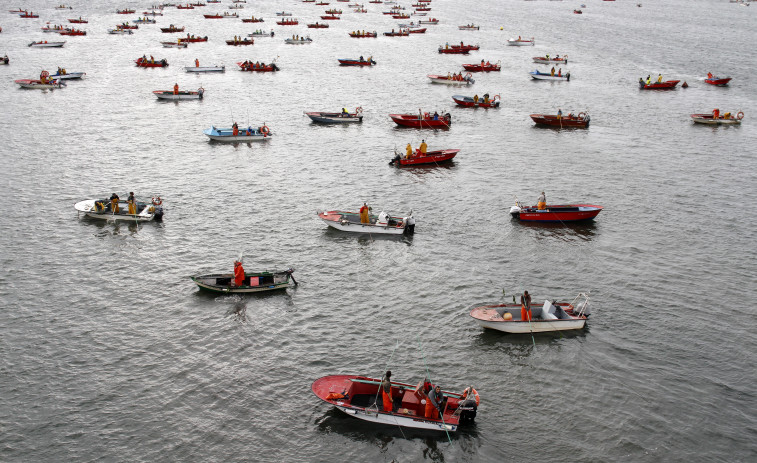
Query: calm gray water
column 110, row 353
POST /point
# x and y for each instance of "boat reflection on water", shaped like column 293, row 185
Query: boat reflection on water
column 238, row 311
column 365, row 238
column 566, row 231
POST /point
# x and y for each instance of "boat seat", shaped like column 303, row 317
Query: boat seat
column 548, row 311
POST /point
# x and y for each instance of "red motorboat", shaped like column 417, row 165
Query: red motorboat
column 126, row 11
column 482, row 67
column 417, row 30
column 318, row 26
column 73, row 32
column 718, row 81
column 356, row 62
column 28, row 15
column 360, row 397
column 333, row 11
column 454, row 51
column 581, row 120
column 288, row 22
column 431, row 157
column 151, row 63
column 363, row 35
column 476, row 102
column 401, row 16
column 667, row 85
column 249, row 66
column 193, row 39
column 78, row 21
column 239, row 42
column 427, row 121
column 555, row 213
column 172, row 29
column 185, row 7
column 330, row 17
column 127, row 26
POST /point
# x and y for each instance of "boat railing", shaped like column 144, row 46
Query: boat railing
column 582, row 300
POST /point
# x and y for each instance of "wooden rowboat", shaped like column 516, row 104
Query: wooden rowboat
column 254, row 282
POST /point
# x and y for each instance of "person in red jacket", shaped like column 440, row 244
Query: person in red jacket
column 238, row 273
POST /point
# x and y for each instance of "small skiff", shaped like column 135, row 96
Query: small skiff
column 667, row 85
column 168, row 30
column 193, row 39
column 581, row 120
column 237, row 42
column 483, row 67
column 253, row 20
column 431, row 157
column 300, row 41
column 425, row 122
column 205, row 68
column 176, row 44
column 250, row 134
column 253, row 282
column 120, row 31
column 717, row 81
column 103, row 209
column 181, row 95
column 552, row 316
column 125, row 11
column 537, row 75
column 317, row 25
column 551, row 60
column 469, row 27
column 38, row 84
column 381, row 224
column 336, row 118
column 475, row 102
column 73, row 32
column 363, row 35
column 249, row 66
column 450, row 80
column 288, row 22
column 555, row 213
column 400, row 33
column 432, row 21
column 519, row 42
column 712, row 119
column 356, row 62
column 360, row 397
column 145, row 63
column 46, row 44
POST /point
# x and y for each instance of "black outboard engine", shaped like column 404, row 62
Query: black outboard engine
column 158, row 213
column 410, row 226
column 467, row 410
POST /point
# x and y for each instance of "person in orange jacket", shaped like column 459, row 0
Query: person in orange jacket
column 238, row 273
column 386, row 392
column 434, row 403
column 176, row 89
column 525, row 307
column 364, row 214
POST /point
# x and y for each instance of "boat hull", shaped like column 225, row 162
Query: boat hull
column 480, row 68
column 565, row 121
column 556, row 213
column 490, row 317
column 667, row 85
column 36, row 84
column 68, row 76
column 253, row 282
column 468, row 102
column 410, row 120
column 719, row 82
column 709, row 120
column 444, row 80
column 334, row 118
column 355, row 62
column 431, row 157
column 536, row 75
column 147, row 212
column 520, row 43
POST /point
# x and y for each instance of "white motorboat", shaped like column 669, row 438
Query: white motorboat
column 336, row 118
column 176, row 44
column 104, row 209
column 552, row 316
column 381, row 224
column 718, row 119
column 519, row 42
column 548, row 76
column 205, row 68
column 551, row 60
column 46, row 44
column 120, row 31
column 180, row 95
column 250, row 134
column 38, row 84
column 300, row 41
column 67, row 75
column 449, row 80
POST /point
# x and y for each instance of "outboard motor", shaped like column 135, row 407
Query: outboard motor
column 409, row 225
column 583, row 307
column 467, row 410
column 158, row 213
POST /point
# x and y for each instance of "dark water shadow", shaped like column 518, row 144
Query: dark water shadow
column 364, row 238
column 494, row 338
column 585, row 229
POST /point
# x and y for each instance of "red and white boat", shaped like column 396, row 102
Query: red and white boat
column 381, row 224
column 431, row 157
column 193, row 39
column 667, row 85
column 127, row 26
column 581, row 120
column 185, row 7
column 400, row 33
column 46, row 44
column 715, row 118
column 363, row 35
column 73, row 32
column 557, row 59
column 177, row 44
column 317, row 25
column 555, row 213
column 78, row 21
column 483, row 67
column 476, row 102
column 28, row 15
column 171, row 28
column 359, row 396
column 288, row 22
column 457, row 49
column 330, row 17
column 125, row 11
column 179, row 95
column 239, row 42
column 249, row 66
column 451, row 80
column 356, row 62
column 718, row 81
column 424, row 121
column 38, row 84
column 520, row 42
column 252, row 20
column 151, row 63
column 432, row 21
column 552, row 316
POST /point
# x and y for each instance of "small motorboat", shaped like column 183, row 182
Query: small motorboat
column 399, row 33
column 193, row 39
column 578, row 12
column 483, row 67
column 427, row 121
column 666, row 85
column 118, row 209
column 119, row 31
column 78, row 21
column 717, row 81
column 46, row 44
column 254, row 282
column 317, row 25
column 152, row 13
column 221, row 68
column 185, row 7
column 55, row 28
column 62, row 74
column 127, row 26
column 363, row 34
column 555, row 213
column 177, row 44
column 715, row 118
column 298, row 41
column 431, row 157
column 4, row 60
column 476, row 102
column 356, row 62
column 172, row 28
column 260, row 33
column 239, row 42
column 581, row 120
column 283, row 13
column 519, row 42
column 468, row 27
column 38, row 84
column 538, row 75
column 225, row 14
column 416, row 30
column 64, row 7
column 336, row 118
column 233, row 134
column 333, row 11
column 432, row 21
column 381, row 224
column 249, row 66
column 73, row 32
column 552, row 316
column 145, row 21
column 288, row 22
column 360, row 397
column 179, row 95
column 330, row 17
column 557, row 59
column 452, row 80
column 151, row 63
column 457, row 49
column 252, row 20
column 29, row 15
column 125, row 11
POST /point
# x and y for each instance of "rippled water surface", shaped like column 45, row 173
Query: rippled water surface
column 109, row 352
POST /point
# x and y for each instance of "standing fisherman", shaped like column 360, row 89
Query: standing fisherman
column 386, row 392
column 525, row 307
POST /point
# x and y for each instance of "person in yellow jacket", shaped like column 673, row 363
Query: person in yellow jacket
column 364, row 211
column 541, row 203
column 409, row 152
column 659, row 78
column 424, row 147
